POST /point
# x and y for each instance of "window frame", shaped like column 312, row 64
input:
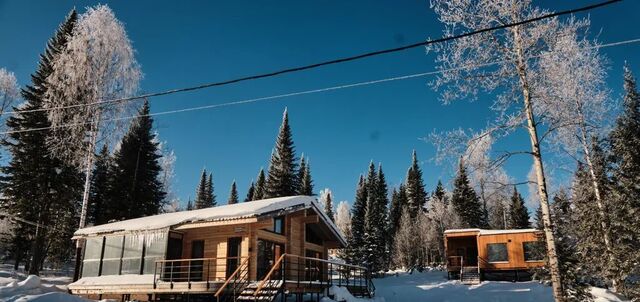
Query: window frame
column 524, row 251
column 275, row 223
column 506, row 249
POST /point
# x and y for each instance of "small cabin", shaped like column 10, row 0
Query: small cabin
column 476, row 254
column 241, row 252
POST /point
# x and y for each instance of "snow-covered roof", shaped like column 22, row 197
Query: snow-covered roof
column 490, row 232
column 219, row 213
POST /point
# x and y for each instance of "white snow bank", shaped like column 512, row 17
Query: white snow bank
column 433, row 286
column 342, row 294
column 114, row 280
column 31, row 289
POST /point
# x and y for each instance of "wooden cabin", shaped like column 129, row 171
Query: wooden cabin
column 248, row 251
column 476, row 254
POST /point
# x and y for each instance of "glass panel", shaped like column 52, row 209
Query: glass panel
column 92, row 253
column 112, row 254
column 278, row 225
column 132, row 256
column 497, row 252
column 533, row 250
column 156, row 246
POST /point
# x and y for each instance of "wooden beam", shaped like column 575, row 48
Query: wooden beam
column 311, row 219
column 194, row 225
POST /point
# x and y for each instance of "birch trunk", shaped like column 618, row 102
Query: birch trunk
column 554, row 266
column 604, row 222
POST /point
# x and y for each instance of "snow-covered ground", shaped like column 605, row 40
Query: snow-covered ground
column 431, row 286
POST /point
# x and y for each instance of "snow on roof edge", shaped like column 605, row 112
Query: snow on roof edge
column 219, row 213
column 490, row 232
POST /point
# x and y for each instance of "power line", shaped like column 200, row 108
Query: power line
column 330, row 62
column 305, row 92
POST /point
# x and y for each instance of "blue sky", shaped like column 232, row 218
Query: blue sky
column 182, row 43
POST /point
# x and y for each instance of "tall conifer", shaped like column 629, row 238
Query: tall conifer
column 358, row 214
column 465, row 200
column 36, row 186
column 100, row 188
column 233, row 194
column 518, row 213
column 259, row 192
column 250, row 192
column 282, row 178
column 137, row 190
column 416, row 194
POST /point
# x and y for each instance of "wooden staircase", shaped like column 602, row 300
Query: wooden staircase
column 470, row 275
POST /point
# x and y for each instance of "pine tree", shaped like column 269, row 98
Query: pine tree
column 416, row 194
column 209, row 192
column 326, row 198
column 358, row 214
column 100, row 187
column 259, row 192
column 518, row 213
column 395, row 211
column 625, row 198
column 250, row 192
column 283, row 179
column 304, row 176
column 381, row 228
column 233, row 194
column 201, row 201
column 497, row 216
column 189, row 205
column 137, row 190
column 538, row 218
column 465, row 200
column 36, row 186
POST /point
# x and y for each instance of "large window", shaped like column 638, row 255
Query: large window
column 154, row 250
column 497, row 252
column 311, row 236
column 533, row 250
column 131, row 256
column 92, row 255
column 112, row 255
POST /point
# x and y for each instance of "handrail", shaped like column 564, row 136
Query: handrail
column 327, row 261
column 222, row 287
column 197, row 259
column 268, row 276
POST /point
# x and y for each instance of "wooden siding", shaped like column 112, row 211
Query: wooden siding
column 515, row 249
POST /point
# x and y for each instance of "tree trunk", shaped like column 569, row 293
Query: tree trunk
column 554, row 266
column 604, row 222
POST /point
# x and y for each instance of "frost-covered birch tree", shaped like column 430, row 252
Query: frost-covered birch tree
column 9, row 91
column 343, row 218
column 97, row 66
column 503, row 64
column 578, row 113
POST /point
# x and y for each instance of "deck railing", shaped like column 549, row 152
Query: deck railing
column 308, row 272
column 189, row 271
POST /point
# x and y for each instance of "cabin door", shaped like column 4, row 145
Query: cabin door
column 233, row 254
column 196, row 268
column 174, row 252
column 268, row 254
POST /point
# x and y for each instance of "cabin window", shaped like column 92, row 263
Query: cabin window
column 92, row 255
column 154, row 250
column 497, row 252
column 533, row 250
column 311, row 236
column 111, row 256
column 131, row 256
column 278, row 225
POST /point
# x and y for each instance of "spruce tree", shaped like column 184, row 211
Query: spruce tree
column 250, row 192
column 395, row 211
column 304, row 176
column 233, row 194
column 201, row 201
column 189, row 205
column 137, row 190
column 259, row 192
column 465, row 200
column 518, row 213
column 328, row 204
column 625, row 198
column 538, row 218
column 358, row 214
column 283, row 177
column 36, row 186
column 100, row 188
column 209, row 192
column 416, row 194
